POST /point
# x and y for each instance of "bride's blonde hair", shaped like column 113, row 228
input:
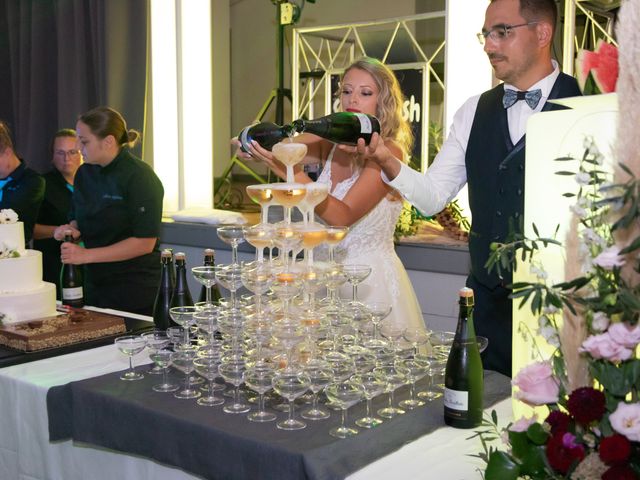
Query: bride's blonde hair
column 390, row 101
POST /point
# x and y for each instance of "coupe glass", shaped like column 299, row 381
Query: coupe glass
column 183, row 316
column 260, row 380
column 232, row 235
column 131, row 345
column 313, row 279
column 356, row 274
column 392, row 332
column 287, row 238
column 288, row 195
column 313, row 234
column 207, row 321
column 394, row 379
column 441, row 341
column 335, row 278
column 232, row 370
column 230, row 277
column 316, row 193
column 206, row 276
column 345, row 395
column 258, row 279
column 156, row 340
column 437, row 364
column 372, row 386
column 320, row 375
column 259, row 236
column 413, row 370
column 163, row 359
column 208, row 368
column 286, row 286
column 379, row 311
column 334, row 236
column 183, row 361
column 416, row 337
column 289, row 335
column 261, row 194
column 291, row 385
column 290, row 154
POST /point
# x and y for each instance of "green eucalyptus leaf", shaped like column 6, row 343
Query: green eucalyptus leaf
column 501, row 467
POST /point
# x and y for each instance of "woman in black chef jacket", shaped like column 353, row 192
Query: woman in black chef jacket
column 116, row 212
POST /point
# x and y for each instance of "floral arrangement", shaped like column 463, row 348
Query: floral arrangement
column 8, row 216
column 591, row 382
column 8, row 251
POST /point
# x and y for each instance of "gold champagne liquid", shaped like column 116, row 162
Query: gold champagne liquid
column 289, row 153
column 258, row 241
column 289, row 197
column 313, row 238
column 335, row 236
column 259, row 194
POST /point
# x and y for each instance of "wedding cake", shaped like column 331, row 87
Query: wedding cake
column 23, row 294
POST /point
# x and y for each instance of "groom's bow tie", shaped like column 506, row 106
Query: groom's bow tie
column 531, row 97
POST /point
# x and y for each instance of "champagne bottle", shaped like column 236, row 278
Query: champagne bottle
column 266, row 134
column 181, row 296
column 209, row 261
column 71, row 282
column 341, row 127
column 464, row 374
column 162, row 304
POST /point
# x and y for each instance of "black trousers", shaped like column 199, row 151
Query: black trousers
column 493, row 318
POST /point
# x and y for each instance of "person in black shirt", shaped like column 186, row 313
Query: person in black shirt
column 56, row 205
column 21, row 189
column 117, row 211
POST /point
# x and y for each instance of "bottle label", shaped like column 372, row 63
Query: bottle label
column 72, row 293
column 456, row 399
column 365, row 123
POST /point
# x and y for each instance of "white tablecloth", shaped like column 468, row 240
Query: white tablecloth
column 26, row 454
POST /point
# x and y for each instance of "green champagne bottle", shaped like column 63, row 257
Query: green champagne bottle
column 464, row 376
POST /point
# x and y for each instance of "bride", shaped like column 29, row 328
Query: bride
column 358, row 196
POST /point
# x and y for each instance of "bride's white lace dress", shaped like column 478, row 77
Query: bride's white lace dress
column 370, row 242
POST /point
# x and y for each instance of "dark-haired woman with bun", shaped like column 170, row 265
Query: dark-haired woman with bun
column 116, row 212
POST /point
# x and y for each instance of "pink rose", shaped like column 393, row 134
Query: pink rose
column 626, row 420
column 603, row 346
column 523, row 424
column 625, row 335
column 536, row 384
column 609, row 258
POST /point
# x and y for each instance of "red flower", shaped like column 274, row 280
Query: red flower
column 614, row 449
column 558, row 421
column 619, row 472
column 586, row 405
column 562, row 452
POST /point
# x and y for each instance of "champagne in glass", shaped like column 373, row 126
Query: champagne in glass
column 262, row 194
column 316, row 193
column 259, row 236
column 334, row 236
column 288, row 195
column 289, row 154
column 313, row 235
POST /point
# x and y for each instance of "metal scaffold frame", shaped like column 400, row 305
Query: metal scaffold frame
column 320, row 52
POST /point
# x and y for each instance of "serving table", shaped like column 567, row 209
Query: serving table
column 27, row 453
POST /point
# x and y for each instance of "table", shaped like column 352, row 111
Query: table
column 26, row 453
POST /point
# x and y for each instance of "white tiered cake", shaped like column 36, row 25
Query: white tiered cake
column 23, row 294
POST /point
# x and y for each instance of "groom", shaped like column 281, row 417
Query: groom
column 485, row 149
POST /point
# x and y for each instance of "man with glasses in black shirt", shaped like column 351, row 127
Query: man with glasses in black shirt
column 55, row 208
